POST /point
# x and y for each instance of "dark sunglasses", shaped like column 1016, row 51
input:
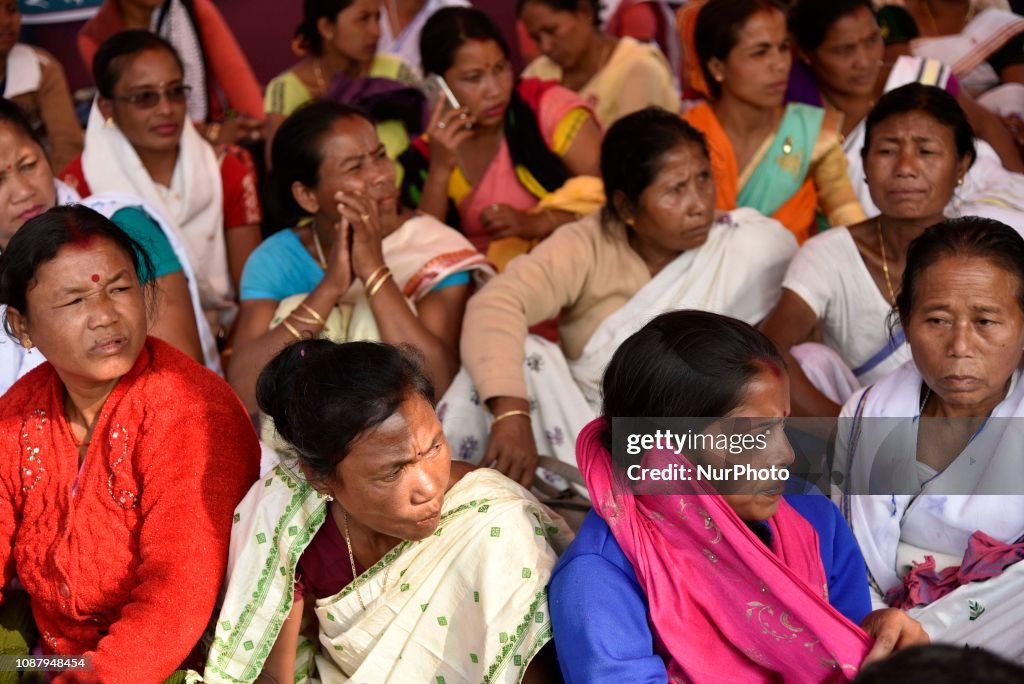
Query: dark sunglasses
column 147, row 99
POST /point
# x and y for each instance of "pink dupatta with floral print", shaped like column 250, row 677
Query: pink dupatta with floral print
column 723, row 606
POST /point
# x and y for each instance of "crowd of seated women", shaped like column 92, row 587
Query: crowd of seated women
column 302, row 386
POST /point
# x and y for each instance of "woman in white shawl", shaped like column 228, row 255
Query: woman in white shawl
column 929, row 457
column 28, row 188
column 657, row 246
column 407, row 567
column 140, row 141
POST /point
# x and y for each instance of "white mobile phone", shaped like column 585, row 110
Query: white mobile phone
column 435, row 88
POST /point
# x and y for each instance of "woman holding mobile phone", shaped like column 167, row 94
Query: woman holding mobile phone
column 504, row 164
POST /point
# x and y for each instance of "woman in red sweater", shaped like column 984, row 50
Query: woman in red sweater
column 124, row 459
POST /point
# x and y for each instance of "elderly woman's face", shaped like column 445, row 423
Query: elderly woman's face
column 966, row 330
column 26, row 182
column 86, row 312
column 394, row 479
column 675, row 212
column 912, row 166
column 353, row 162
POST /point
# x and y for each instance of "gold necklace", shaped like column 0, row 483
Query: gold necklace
column 885, row 262
column 320, row 83
column 352, row 563
column 319, row 249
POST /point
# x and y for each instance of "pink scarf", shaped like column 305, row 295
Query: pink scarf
column 720, row 600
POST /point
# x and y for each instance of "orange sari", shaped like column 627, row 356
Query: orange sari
column 818, row 160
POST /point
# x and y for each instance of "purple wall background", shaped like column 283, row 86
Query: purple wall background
column 263, row 27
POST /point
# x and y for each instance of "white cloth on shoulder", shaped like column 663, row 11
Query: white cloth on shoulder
column 736, row 272
column 829, row 274
column 980, row 490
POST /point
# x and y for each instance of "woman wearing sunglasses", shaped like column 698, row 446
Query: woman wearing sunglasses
column 140, row 141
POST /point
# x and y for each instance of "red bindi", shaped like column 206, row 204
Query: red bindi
column 95, row 277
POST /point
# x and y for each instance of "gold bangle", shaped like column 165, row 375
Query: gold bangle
column 302, row 319
column 293, row 330
column 368, row 283
column 380, row 283
column 312, row 312
column 509, row 414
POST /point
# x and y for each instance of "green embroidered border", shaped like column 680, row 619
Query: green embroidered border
column 227, row 647
column 516, row 642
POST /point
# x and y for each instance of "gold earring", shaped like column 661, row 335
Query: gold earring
column 109, row 123
column 27, row 343
column 960, row 181
column 630, row 222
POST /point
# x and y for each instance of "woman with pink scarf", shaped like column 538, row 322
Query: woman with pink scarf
column 698, row 585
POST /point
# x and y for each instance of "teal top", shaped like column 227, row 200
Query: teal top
column 144, row 230
column 282, row 267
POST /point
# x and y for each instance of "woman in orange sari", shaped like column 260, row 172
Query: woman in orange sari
column 783, row 160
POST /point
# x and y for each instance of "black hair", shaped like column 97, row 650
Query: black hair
column 38, row 241
column 312, row 12
column 935, row 102
column 633, row 149
column 297, row 152
column 970, row 236
column 564, row 6
column 717, row 32
column 810, row 20
column 323, row 395
column 684, row 364
column 942, row 664
column 11, row 114
column 111, row 58
column 443, row 34
column 449, row 29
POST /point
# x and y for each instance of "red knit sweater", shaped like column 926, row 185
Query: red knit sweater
column 126, row 565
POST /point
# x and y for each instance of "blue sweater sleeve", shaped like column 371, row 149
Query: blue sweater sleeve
column 599, row 614
column 844, row 564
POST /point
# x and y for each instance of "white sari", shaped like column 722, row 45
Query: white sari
column 738, row 272
column 988, row 189
column 982, row 489
column 466, row 604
